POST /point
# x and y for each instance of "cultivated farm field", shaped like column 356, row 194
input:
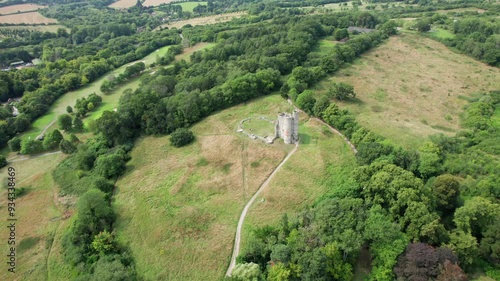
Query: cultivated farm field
column 28, row 18
column 20, row 8
column 412, row 87
column 178, row 208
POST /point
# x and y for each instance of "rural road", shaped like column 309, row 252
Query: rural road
column 236, row 248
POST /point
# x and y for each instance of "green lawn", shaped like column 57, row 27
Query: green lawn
column 151, row 58
column 324, row 46
column 441, row 33
column 189, row 6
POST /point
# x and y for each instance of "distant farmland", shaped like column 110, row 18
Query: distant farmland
column 20, row 8
column 205, row 20
column 129, row 3
column 28, row 18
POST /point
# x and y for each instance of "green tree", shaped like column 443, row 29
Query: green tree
column 69, row 109
column 110, row 166
column 278, row 272
column 341, row 91
column 3, row 161
column 340, row 33
column 65, row 122
column 446, row 190
column 52, row 140
column 430, row 160
column 306, row 101
column 422, row 26
column 464, row 245
column 104, row 243
column 14, row 144
column 110, row 269
column 77, row 124
column 67, row 147
column 247, row 272
column 30, row 146
column 181, row 137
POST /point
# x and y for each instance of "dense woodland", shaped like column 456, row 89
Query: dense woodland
column 426, row 214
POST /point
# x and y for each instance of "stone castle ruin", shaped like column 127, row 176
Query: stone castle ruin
column 286, row 127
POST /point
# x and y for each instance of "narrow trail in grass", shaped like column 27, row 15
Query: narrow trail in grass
column 340, row 134
column 236, row 247
column 48, row 126
column 15, row 159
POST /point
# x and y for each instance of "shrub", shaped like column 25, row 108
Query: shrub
column 181, row 137
column 15, row 144
column 3, row 161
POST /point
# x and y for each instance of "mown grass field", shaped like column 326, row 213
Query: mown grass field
column 39, row 214
column 322, row 163
column 20, row 8
column 205, row 20
column 109, row 102
column 189, row 6
column 411, row 87
column 123, row 4
column 178, row 207
column 28, row 18
column 441, row 33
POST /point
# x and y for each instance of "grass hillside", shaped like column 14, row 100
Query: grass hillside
column 178, row 207
column 39, row 213
column 322, row 163
column 411, row 87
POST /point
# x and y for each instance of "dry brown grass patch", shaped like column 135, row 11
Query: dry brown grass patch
column 28, row 18
column 410, row 87
column 20, row 8
column 205, row 20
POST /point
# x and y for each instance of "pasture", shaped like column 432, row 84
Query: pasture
column 322, row 163
column 178, row 207
column 205, row 20
column 39, row 213
column 411, row 87
column 189, row 6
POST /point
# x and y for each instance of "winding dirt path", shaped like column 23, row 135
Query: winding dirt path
column 236, row 248
column 15, row 159
column 340, row 134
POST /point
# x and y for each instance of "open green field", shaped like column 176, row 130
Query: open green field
column 178, row 207
column 39, row 215
column 322, row 163
column 411, row 87
column 189, row 6
column 259, row 127
column 205, row 20
column 324, row 46
column 441, row 33
column 109, row 102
